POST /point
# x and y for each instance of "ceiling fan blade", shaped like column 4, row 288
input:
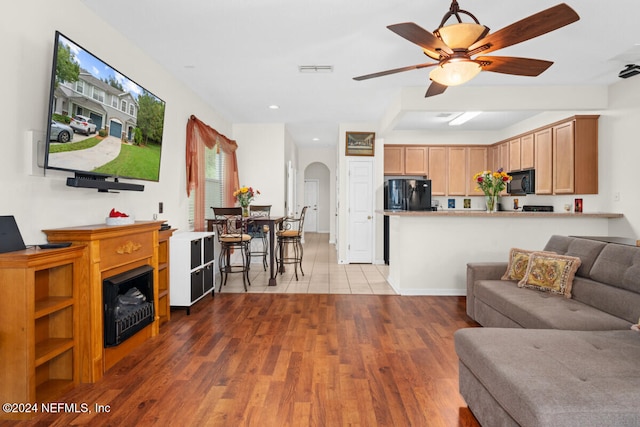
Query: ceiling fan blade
column 513, row 65
column 395, row 70
column 435, row 89
column 533, row 26
column 418, row 35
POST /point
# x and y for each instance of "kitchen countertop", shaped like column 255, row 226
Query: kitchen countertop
column 500, row 214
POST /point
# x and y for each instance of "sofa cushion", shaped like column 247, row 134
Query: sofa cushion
column 556, row 378
column 550, row 273
column 517, row 264
column 618, row 265
column 618, row 302
column 585, row 249
column 533, row 309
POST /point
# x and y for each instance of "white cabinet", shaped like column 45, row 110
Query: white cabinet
column 192, row 268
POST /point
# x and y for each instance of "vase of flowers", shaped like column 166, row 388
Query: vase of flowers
column 491, row 184
column 244, row 196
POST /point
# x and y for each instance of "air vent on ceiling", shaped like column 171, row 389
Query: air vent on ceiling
column 315, row 68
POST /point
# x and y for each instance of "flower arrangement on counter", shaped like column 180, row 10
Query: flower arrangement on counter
column 491, row 184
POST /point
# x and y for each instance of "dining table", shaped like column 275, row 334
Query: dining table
column 272, row 222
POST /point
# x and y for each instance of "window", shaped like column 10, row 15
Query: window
column 213, row 188
column 80, row 86
column 123, row 106
column 114, row 101
column 98, row 95
column 131, row 110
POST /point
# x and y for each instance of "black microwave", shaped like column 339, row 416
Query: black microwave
column 522, row 182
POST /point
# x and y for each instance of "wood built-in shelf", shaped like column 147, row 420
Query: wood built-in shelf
column 39, row 343
column 163, row 310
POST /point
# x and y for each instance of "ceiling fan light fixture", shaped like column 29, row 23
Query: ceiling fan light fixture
column 462, row 35
column 455, row 72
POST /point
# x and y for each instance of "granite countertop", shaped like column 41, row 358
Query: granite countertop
column 501, row 214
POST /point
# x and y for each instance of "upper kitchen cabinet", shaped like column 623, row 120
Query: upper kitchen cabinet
column 438, row 170
column 575, row 156
column 406, row 160
column 476, row 162
column 527, row 152
column 457, row 171
column 416, row 160
column 521, row 153
column 543, row 162
column 393, row 160
column 514, row 156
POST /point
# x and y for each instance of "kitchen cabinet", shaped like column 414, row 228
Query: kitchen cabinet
column 563, row 159
column 543, row 140
column 457, row 171
column 575, row 156
column 503, row 160
column 416, row 160
column 514, row 156
column 476, row 162
column 406, row 160
column 527, row 152
column 393, row 160
column 438, row 170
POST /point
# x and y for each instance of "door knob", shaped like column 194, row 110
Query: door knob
column 369, row 217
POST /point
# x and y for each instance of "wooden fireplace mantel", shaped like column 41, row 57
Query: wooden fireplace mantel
column 111, row 250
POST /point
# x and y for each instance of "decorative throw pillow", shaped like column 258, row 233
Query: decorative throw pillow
column 550, row 273
column 517, row 266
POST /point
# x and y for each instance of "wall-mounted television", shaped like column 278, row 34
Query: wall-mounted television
column 101, row 125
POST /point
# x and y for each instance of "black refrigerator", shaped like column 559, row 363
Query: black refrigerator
column 404, row 195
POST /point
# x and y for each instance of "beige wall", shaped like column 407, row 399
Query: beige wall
column 39, row 201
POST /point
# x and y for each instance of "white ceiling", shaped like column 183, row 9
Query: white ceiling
column 243, row 55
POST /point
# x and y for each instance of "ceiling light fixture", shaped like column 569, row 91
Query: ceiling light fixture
column 274, row 107
column 460, row 68
column 464, row 117
column 455, row 72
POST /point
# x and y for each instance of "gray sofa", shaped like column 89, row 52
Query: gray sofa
column 576, row 364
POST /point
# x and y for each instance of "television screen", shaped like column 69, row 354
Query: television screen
column 101, row 123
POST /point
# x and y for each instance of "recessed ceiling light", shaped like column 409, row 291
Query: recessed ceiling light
column 274, row 107
column 315, row 139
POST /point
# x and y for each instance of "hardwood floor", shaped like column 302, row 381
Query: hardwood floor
column 335, row 348
column 288, row 360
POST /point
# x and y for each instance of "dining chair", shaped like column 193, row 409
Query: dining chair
column 289, row 247
column 231, row 230
column 259, row 231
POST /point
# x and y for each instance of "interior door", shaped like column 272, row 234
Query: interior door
column 311, row 188
column 360, row 211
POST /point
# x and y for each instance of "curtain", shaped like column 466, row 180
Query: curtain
column 200, row 135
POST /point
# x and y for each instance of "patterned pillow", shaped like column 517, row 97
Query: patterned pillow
column 550, row 273
column 517, row 266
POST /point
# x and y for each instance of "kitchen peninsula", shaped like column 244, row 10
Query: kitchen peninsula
column 429, row 251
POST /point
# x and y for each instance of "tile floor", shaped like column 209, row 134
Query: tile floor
column 322, row 274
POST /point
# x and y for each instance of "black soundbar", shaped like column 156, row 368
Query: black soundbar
column 101, row 184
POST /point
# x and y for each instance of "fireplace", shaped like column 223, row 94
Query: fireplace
column 128, row 304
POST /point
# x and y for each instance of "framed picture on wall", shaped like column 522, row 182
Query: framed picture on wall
column 360, row 143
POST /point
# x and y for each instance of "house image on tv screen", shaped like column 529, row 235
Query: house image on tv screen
column 108, row 107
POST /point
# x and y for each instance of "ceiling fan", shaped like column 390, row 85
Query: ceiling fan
column 454, row 46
